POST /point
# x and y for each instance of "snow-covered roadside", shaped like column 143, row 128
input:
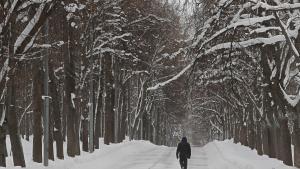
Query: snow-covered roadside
column 114, row 156
column 144, row 155
column 227, row 155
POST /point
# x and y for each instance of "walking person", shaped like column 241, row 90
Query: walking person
column 183, row 152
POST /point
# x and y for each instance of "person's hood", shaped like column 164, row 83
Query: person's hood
column 184, row 140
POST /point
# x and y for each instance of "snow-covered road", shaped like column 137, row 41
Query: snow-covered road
column 139, row 156
column 144, row 155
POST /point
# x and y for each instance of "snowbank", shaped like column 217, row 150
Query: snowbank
column 107, row 157
column 144, row 155
column 227, row 155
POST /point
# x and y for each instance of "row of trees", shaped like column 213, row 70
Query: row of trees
column 246, row 74
column 103, row 58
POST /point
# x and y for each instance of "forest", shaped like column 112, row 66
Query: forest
column 75, row 71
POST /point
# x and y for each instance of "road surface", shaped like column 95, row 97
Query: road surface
column 131, row 156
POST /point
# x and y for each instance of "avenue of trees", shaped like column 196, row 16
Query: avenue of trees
column 245, row 80
column 93, row 61
column 227, row 69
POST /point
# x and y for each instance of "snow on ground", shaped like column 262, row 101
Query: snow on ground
column 144, row 155
column 227, row 155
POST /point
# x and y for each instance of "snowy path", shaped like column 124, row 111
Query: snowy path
column 132, row 156
column 144, row 155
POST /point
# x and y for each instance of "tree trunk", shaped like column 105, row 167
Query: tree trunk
column 272, row 142
column 259, row 139
column 285, row 142
column 109, row 100
column 99, row 107
column 117, row 98
column 85, row 135
column 277, row 130
column 2, row 140
column 27, row 127
column 69, row 99
column 37, row 113
column 57, row 132
column 251, row 133
column 140, row 110
column 122, row 110
column 251, row 136
column 50, row 147
column 243, row 135
column 265, row 139
column 236, row 132
column 157, row 127
column 296, row 135
column 91, row 114
column 12, row 124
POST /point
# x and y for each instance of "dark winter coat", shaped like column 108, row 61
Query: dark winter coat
column 183, row 149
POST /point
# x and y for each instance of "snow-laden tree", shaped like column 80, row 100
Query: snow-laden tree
column 20, row 24
column 250, row 48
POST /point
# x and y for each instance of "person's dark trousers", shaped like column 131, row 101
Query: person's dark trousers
column 183, row 163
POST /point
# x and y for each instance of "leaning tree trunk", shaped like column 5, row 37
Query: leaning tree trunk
column 12, row 124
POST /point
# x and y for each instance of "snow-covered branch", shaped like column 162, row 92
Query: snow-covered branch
column 279, row 7
column 162, row 84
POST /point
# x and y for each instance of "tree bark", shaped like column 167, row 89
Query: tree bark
column 285, row 139
column 85, row 135
column 57, row 132
column 123, row 116
column 259, row 139
column 12, row 124
column 296, row 135
column 272, row 141
column 265, row 139
column 243, row 135
column 2, row 140
column 37, row 113
column 109, row 100
column 50, row 147
column 140, row 110
column 69, row 98
column 236, row 132
column 251, row 133
column 99, row 108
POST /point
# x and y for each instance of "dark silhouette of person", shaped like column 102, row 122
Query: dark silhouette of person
column 183, row 152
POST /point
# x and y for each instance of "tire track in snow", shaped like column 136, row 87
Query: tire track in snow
column 164, row 157
column 198, row 159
